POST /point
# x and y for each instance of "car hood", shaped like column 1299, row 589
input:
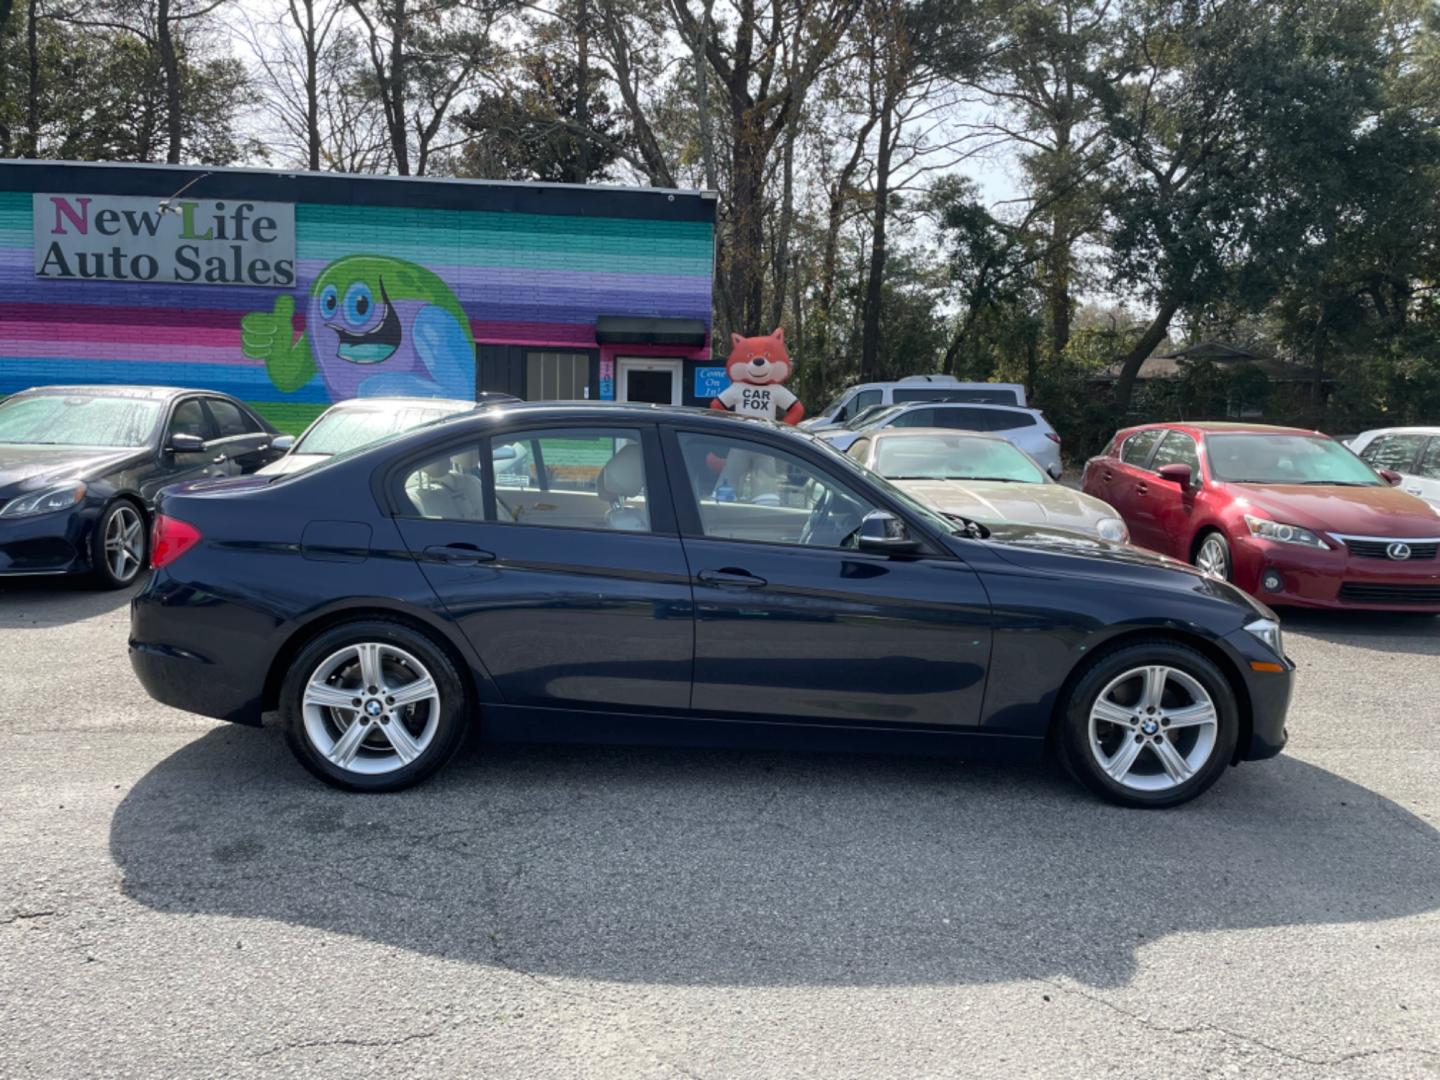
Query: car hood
column 996, row 501
column 25, row 468
column 1348, row 511
column 1056, row 551
column 291, row 463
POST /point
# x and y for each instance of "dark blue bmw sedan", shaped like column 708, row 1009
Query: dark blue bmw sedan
column 615, row 573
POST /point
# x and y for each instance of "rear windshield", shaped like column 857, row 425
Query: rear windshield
column 79, row 420
column 1258, row 458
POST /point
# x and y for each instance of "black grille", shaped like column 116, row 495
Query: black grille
column 1390, row 594
column 1376, row 549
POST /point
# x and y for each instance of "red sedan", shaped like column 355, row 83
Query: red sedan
column 1288, row 515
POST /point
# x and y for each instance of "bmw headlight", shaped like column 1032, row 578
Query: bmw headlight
column 1266, row 529
column 44, row 502
column 1112, row 529
column 1268, row 631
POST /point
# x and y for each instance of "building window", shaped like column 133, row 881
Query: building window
column 557, row 376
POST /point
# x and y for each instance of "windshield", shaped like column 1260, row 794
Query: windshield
column 940, row 522
column 79, row 420
column 1257, row 458
column 346, row 429
column 953, row 457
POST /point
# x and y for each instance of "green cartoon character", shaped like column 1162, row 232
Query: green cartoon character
column 373, row 326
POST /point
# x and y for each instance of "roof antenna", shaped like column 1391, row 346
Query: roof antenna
column 166, row 208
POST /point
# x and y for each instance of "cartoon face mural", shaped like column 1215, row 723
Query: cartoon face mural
column 374, row 325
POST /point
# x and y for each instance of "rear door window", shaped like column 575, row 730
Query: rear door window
column 1138, row 447
column 915, row 418
column 1429, row 467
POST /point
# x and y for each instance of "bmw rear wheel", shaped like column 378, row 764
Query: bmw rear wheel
column 373, row 706
column 1150, row 725
column 119, row 546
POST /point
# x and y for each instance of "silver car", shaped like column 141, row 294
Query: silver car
column 982, row 477
column 353, row 423
column 1026, row 428
column 1413, row 452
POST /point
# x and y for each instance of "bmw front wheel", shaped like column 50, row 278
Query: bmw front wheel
column 1150, row 725
column 373, row 706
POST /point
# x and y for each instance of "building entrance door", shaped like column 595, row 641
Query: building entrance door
column 655, row 382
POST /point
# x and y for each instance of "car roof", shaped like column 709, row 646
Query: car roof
column 1412, row 429
column 1205, row 427
column 157, row 393
column 456, row 404
column 904, row 406
column 901, row 433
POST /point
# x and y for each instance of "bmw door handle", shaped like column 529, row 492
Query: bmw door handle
column 1412, row 491
column 219, row 459
column 731, row 577
column 458, row 554
column 1142, row 489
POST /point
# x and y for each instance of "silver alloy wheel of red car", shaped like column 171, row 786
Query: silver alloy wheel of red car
column 1213, row 557
column 371, row 708
column 1152, row 728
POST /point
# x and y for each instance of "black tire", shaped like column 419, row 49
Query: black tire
column 103, row 572
column 1222, row 546
column 449, row 717
column 1074, row 742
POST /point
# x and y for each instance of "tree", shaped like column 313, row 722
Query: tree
column 1228, row 124
column 425, row 56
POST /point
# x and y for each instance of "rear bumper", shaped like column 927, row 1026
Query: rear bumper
column 211, row 674
column 1334, row 580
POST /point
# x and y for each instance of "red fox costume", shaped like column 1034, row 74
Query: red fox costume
column 757, row 367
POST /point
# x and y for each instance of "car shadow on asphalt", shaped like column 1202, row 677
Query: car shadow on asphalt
column 29, row 602
column 734, row 868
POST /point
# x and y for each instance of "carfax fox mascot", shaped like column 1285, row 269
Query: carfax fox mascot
column 758, row 368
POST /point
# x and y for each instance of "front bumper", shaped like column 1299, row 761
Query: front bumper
column 1269, row 696
column 1334, row 579
column 55, row 543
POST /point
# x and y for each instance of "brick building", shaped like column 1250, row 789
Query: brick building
column 293, row 290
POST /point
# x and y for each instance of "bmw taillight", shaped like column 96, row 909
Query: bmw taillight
column 1053, row 437
column 170, row 539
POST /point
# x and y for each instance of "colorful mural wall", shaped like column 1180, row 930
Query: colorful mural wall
column 385, row 299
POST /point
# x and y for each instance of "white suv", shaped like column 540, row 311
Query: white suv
column 915, row 388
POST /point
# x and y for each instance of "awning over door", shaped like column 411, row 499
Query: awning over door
column 638, row 330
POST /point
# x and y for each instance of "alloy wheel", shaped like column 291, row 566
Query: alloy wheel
column 124, row 542
column 1212, row 559
column 1153, row 728
column 371, row 708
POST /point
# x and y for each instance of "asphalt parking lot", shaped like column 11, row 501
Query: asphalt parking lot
column 178, row 898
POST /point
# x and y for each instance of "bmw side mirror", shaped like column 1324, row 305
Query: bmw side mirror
column 1056, row 471
column 1178, row 473
column 1390, row 476
column 186, row 444
column 504, row 453
column 282, row 442
column 882, row 533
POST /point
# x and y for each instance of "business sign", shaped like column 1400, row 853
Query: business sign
column 187, row 242
column 710, row 382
